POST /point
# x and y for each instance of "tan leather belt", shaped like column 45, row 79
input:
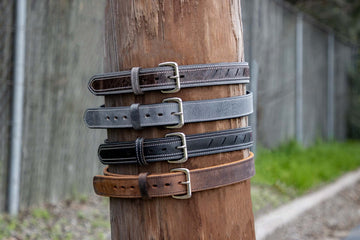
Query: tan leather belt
column 180, row 183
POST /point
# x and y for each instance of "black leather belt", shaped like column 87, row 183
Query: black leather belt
column 175, row 147
column 172, row 113
column 169, row 77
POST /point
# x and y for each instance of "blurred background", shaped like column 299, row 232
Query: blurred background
column 304, row 66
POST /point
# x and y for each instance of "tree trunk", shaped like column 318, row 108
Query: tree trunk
column 144, row 34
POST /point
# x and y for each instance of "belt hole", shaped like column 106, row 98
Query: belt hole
column 164, row 149
column 172, row 113
column 154, row 186
column 182, row 76
column 124, row 117
column 107, row 118
column 115, row 187
column 123, row 187
column 132, row 187
column 147, row 115
column 115, row 118
column 160, row 114
column 179, row 182
column 167, row 184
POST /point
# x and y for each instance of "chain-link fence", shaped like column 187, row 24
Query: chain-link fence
column 64, row 47
column 271, row 30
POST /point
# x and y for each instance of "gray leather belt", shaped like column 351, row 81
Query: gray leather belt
column 175, row 147
column 172, row 113
column 169, row 77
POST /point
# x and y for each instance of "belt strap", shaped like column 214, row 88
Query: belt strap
column 175, row 147
column 174, row 183
column 172, row 113
column 162, row 78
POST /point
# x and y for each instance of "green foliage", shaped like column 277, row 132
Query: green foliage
column 294, row 170
column 341, row 15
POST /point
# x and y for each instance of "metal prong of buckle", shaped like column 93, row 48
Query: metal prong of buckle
column 176, row 76
column 180, row 113
column 187, row 183
column 183, row 147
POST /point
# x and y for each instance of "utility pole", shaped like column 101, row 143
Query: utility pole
column 144, row 34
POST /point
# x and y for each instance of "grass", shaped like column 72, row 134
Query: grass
column 41, row 213
column 295, row 170
column 7, row 226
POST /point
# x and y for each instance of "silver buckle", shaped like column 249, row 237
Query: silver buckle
column 187, row 183
column 176, row 76
column 180, row 113
column 183, row 146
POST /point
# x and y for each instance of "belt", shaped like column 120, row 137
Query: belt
column 180, row 183
column 175, row 147
column 172, row 113
column 169, row 77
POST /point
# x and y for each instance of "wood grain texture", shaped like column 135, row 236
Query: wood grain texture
column 145, row 33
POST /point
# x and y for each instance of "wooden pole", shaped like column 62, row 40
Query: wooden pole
column 146, row 33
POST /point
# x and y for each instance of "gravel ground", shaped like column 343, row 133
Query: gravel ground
column 81, row 219
column 333, row 219
column 89, row 218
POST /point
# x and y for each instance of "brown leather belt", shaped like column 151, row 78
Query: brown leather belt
column 180, row 183
column 169, row 77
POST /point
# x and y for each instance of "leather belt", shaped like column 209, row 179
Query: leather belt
column 180, row 183
column 172, row 113
column 169, row 76
column 175, row 147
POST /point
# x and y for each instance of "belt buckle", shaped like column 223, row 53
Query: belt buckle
column 176, row 76
column 183, row 146
column 180, row 113
column 187, row 183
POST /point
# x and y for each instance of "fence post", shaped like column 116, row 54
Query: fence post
column 17, row 108
column 299, row 79
column 330, row 86
column 146, row 33
column 253, row 89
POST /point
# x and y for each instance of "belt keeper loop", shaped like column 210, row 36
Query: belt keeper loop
column 135, row 116
column 135, row 85
column 139, row 149
column 143, row 185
